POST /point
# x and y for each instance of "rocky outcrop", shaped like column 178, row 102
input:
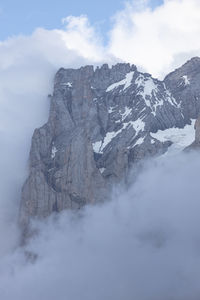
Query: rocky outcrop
column 184, row 85
column 100, row 124
column 197, row 131
column 196, row 144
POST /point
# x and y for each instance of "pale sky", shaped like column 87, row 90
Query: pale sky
column 156, row 35
column 24, row 16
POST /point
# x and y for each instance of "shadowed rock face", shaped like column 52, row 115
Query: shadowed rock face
column 196, row 144
column 100, row 124
column 197, row 131
column 184, row 84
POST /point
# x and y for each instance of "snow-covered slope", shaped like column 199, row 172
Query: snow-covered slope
column 180, row 137
column 184, row 85
column 129, row 109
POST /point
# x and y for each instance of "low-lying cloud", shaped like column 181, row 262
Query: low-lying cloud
column 144, row 244
column 27, row 67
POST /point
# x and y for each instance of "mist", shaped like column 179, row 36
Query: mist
column 143, row 244
column 27, row 67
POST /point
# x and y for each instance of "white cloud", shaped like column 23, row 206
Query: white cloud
column 81, row 37
column 144, row 244
column 27, row 67
column 159, row 39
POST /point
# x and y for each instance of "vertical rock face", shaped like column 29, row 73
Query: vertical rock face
column 184, row 84
column 100, row 123
column 197, row 131
column 196, row 144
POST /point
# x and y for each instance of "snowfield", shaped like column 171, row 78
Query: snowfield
column 180, row 137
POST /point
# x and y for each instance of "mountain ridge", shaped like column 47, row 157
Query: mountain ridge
column 100, row 124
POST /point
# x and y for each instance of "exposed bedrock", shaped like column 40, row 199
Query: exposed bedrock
column 99, row 125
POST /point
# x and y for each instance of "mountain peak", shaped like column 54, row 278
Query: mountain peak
column 195, row 59
column 191, row 64
column 191, row 67
column 102, row 121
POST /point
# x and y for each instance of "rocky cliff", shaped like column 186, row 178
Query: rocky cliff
column 100, row 124
column 184, row 85
column 196, row 144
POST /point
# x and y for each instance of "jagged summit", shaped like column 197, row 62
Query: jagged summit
column 192, row 63
column 120, row 67
column 101, row 122
column 189, row 68
column 184, row 86
column 100, row 77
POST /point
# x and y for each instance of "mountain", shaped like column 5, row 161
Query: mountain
column 101, row 123
column 184, row 84
column 196, row 143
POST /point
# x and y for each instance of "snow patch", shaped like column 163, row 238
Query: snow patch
column 128, row 79
column 170, row 98
column 126, row 113
column 108, row 138
column 102, row 170
column 53, row 152
column 126, row 82
column 148, row 89
column 147, row 84
column 111, row 109
column 139, row 141
column 137, row 125
column 186, row 80
column 68, row 84
column 96, row 146
column 180, row 137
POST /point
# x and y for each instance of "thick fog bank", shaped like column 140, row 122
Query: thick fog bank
column 144, row 244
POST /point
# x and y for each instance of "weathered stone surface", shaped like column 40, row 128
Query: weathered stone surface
column 99, row 125
column 184, row 84
column 196, row 144
column 197, row 131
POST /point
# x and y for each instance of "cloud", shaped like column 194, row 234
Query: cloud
column 159, row 39
column 27, row 67
column 144, row 244
column 82, row 37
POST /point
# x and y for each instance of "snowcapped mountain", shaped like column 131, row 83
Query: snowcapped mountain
column 184, row 84
column 101, row 122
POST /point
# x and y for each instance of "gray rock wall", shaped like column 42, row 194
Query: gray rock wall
column 184, row 84
column 196, row 144
column 99, row 125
